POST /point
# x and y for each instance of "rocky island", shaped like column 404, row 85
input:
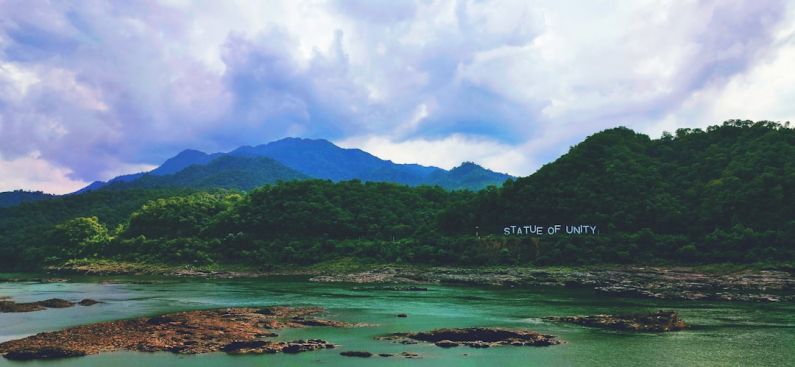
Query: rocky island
column 476, row 337
column 7, row 305
column 230, row 330
column 660, row 321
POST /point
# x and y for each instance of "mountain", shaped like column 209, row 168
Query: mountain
column 100, row 184
column 318, row 158
column 184, row 159
column 322, row 159
column 225, row 171
column 172, row 165
column 16, row 197
column 716, row 196
column 467, row 176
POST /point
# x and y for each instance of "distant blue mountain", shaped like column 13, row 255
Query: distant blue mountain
column 100, row 184
column 226, row 171
column 318, row 158
column 14, row 198
column 322, row 159
column 184, row 159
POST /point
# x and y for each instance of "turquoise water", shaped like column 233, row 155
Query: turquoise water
column 722, row 334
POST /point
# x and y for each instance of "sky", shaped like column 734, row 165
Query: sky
column 93, row 89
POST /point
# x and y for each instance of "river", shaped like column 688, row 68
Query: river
column 721, row 333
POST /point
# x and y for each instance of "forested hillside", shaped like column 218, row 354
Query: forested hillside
column 13, row 198
column 721, row 195
column 724, row 194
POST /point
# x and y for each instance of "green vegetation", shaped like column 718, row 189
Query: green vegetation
column 725, row 195
column 16, row 197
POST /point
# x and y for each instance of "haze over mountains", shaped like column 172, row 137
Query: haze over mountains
column 290, row 159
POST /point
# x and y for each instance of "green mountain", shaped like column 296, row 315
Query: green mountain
column 467, row 176
column 724, row 195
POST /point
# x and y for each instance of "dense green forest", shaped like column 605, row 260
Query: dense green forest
column 726, row 194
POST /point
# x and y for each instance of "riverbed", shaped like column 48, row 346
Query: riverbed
column 719, row 333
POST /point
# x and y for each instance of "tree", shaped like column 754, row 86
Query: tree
column 80, row 237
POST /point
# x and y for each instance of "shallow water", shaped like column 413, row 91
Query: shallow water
column 722, row 334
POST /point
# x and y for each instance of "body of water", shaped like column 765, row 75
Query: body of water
column 721, row 333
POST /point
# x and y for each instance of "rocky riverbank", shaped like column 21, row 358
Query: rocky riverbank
column 652, row 282
column 232, row 330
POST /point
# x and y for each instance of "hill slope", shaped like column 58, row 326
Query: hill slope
column 227, row 172
column 725, row 193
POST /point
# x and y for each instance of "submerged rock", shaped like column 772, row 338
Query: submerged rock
column 356, row 354
column 42, row 353
column 446, row 344
column 659, row 321
column 56, row 303
column 88, row 302
column 232, row 330
column 11, row 306
column 396, row 288
column 480, row 337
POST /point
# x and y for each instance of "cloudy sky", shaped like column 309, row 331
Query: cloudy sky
column 93, row 89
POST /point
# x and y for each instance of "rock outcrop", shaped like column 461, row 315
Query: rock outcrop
column 479, row 337
column 659, row 321
column 11, row 306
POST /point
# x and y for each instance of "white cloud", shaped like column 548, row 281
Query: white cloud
column 446, row 153
column 33, row 173
column 764, row 92
column 98, row 87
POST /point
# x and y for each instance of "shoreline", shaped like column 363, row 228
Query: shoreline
column 655, row 282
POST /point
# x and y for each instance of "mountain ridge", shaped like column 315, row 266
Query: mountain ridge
column 322, row 159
